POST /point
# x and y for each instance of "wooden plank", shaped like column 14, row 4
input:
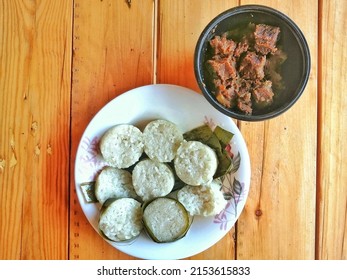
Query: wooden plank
column 332, row 162
column 113, row 52
column 180, row 24
column 35, row 39
column 279, row 218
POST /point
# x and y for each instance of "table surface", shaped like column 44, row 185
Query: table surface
column 62, row 61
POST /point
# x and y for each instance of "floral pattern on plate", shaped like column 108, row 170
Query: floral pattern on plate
column 188, row 109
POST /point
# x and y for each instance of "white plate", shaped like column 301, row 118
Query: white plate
column 188, row 110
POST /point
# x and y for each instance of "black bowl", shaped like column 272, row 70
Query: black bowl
column 294, row 71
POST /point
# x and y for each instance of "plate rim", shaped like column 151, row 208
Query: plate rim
column 184, row 91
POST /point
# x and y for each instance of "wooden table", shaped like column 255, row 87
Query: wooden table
column 62, row 61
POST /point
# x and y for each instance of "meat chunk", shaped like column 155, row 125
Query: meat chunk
column 266, row 38
column 273, row 67
column 244, row 102
column 226, row 95
column 252, row 66
column 263, row 92
column 225, row 68
column 241, row 47
column 245, row 105
column 222, row 46
column 244, row 72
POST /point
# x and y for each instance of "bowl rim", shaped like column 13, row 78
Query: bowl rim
column 246, row 9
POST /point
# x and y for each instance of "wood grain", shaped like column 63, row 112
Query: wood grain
column 112, row 53
column 332, row 162
column 279, row 217
column 35, row 55
column 180, row 25
column 62, row 61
